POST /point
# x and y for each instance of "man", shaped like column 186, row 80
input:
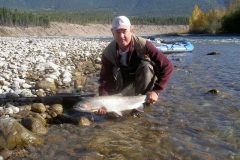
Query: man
column 132, row 65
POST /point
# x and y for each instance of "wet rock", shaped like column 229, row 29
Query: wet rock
column 49, row 118
column 64, row 118
column 25, row 107
column 40, row 93
column 26, row 93
column 57, row 108
column 178, row 59
column 38, row 107
column 13, row 134
column 4, row 83
column 24, row 113
column 8, row 105
column 98, row 66
column 8, row 111
column 5, row 153
column 83, row 121
column 43, row 115
column 213, row 53
column 34, row 125
column 98, row 60
column 45, row 84
column 213, row 91
column 2, row 102
column 15, row 85
column 17, row 116
column 52, row 113
column 39, row 117
column 80, row 81
column 26, row 86
column 2, row 112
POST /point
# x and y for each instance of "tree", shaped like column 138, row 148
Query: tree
column 214, row 19
column 231, row 20
column 197, row 21
column 15, row 17
column 233, row 5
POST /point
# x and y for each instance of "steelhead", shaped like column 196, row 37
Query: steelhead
column 112, row 104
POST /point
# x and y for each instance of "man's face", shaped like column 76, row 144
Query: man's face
column 122, row 37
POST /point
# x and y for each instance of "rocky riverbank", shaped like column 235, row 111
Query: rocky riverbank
column 89, row 30
column 35, row 68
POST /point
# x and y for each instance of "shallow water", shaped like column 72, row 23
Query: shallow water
column 186, row 123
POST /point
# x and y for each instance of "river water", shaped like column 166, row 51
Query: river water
column 186, row 123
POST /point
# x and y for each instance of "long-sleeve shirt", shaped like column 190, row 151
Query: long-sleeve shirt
column 106, row 80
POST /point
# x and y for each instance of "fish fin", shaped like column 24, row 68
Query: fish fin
column 118, row 114
column 140, row 109
column 118, row 94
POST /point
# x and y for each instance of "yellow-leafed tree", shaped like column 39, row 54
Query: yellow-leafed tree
column 198, row 21
column 214, row 18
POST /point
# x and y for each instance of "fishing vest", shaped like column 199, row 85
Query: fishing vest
column 138, row 43
column 121, row 75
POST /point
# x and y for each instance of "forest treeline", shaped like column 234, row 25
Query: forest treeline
column 226, row 20
column 215, row 21
column 16, row 18
column 43, row 18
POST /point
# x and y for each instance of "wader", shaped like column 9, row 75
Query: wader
column 134, row 80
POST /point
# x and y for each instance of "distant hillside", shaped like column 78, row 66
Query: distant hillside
column 147, row 8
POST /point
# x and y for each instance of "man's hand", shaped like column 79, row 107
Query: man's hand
column 152, row 97
column 101, row 111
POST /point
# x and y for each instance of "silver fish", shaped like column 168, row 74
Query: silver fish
column 112, row 104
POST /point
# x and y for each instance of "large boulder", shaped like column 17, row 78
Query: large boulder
column 46, row 84
column 35, row 124
column 13, row 134
column 57, row 108
column 38, row 107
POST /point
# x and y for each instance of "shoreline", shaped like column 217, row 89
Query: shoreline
column 89, row 30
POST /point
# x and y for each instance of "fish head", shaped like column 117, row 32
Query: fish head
column 85, row 106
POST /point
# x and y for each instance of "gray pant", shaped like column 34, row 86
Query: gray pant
column 144, row 80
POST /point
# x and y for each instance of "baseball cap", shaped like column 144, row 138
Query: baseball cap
column 120, row 22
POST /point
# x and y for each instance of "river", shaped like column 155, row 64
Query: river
column 186, row 122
